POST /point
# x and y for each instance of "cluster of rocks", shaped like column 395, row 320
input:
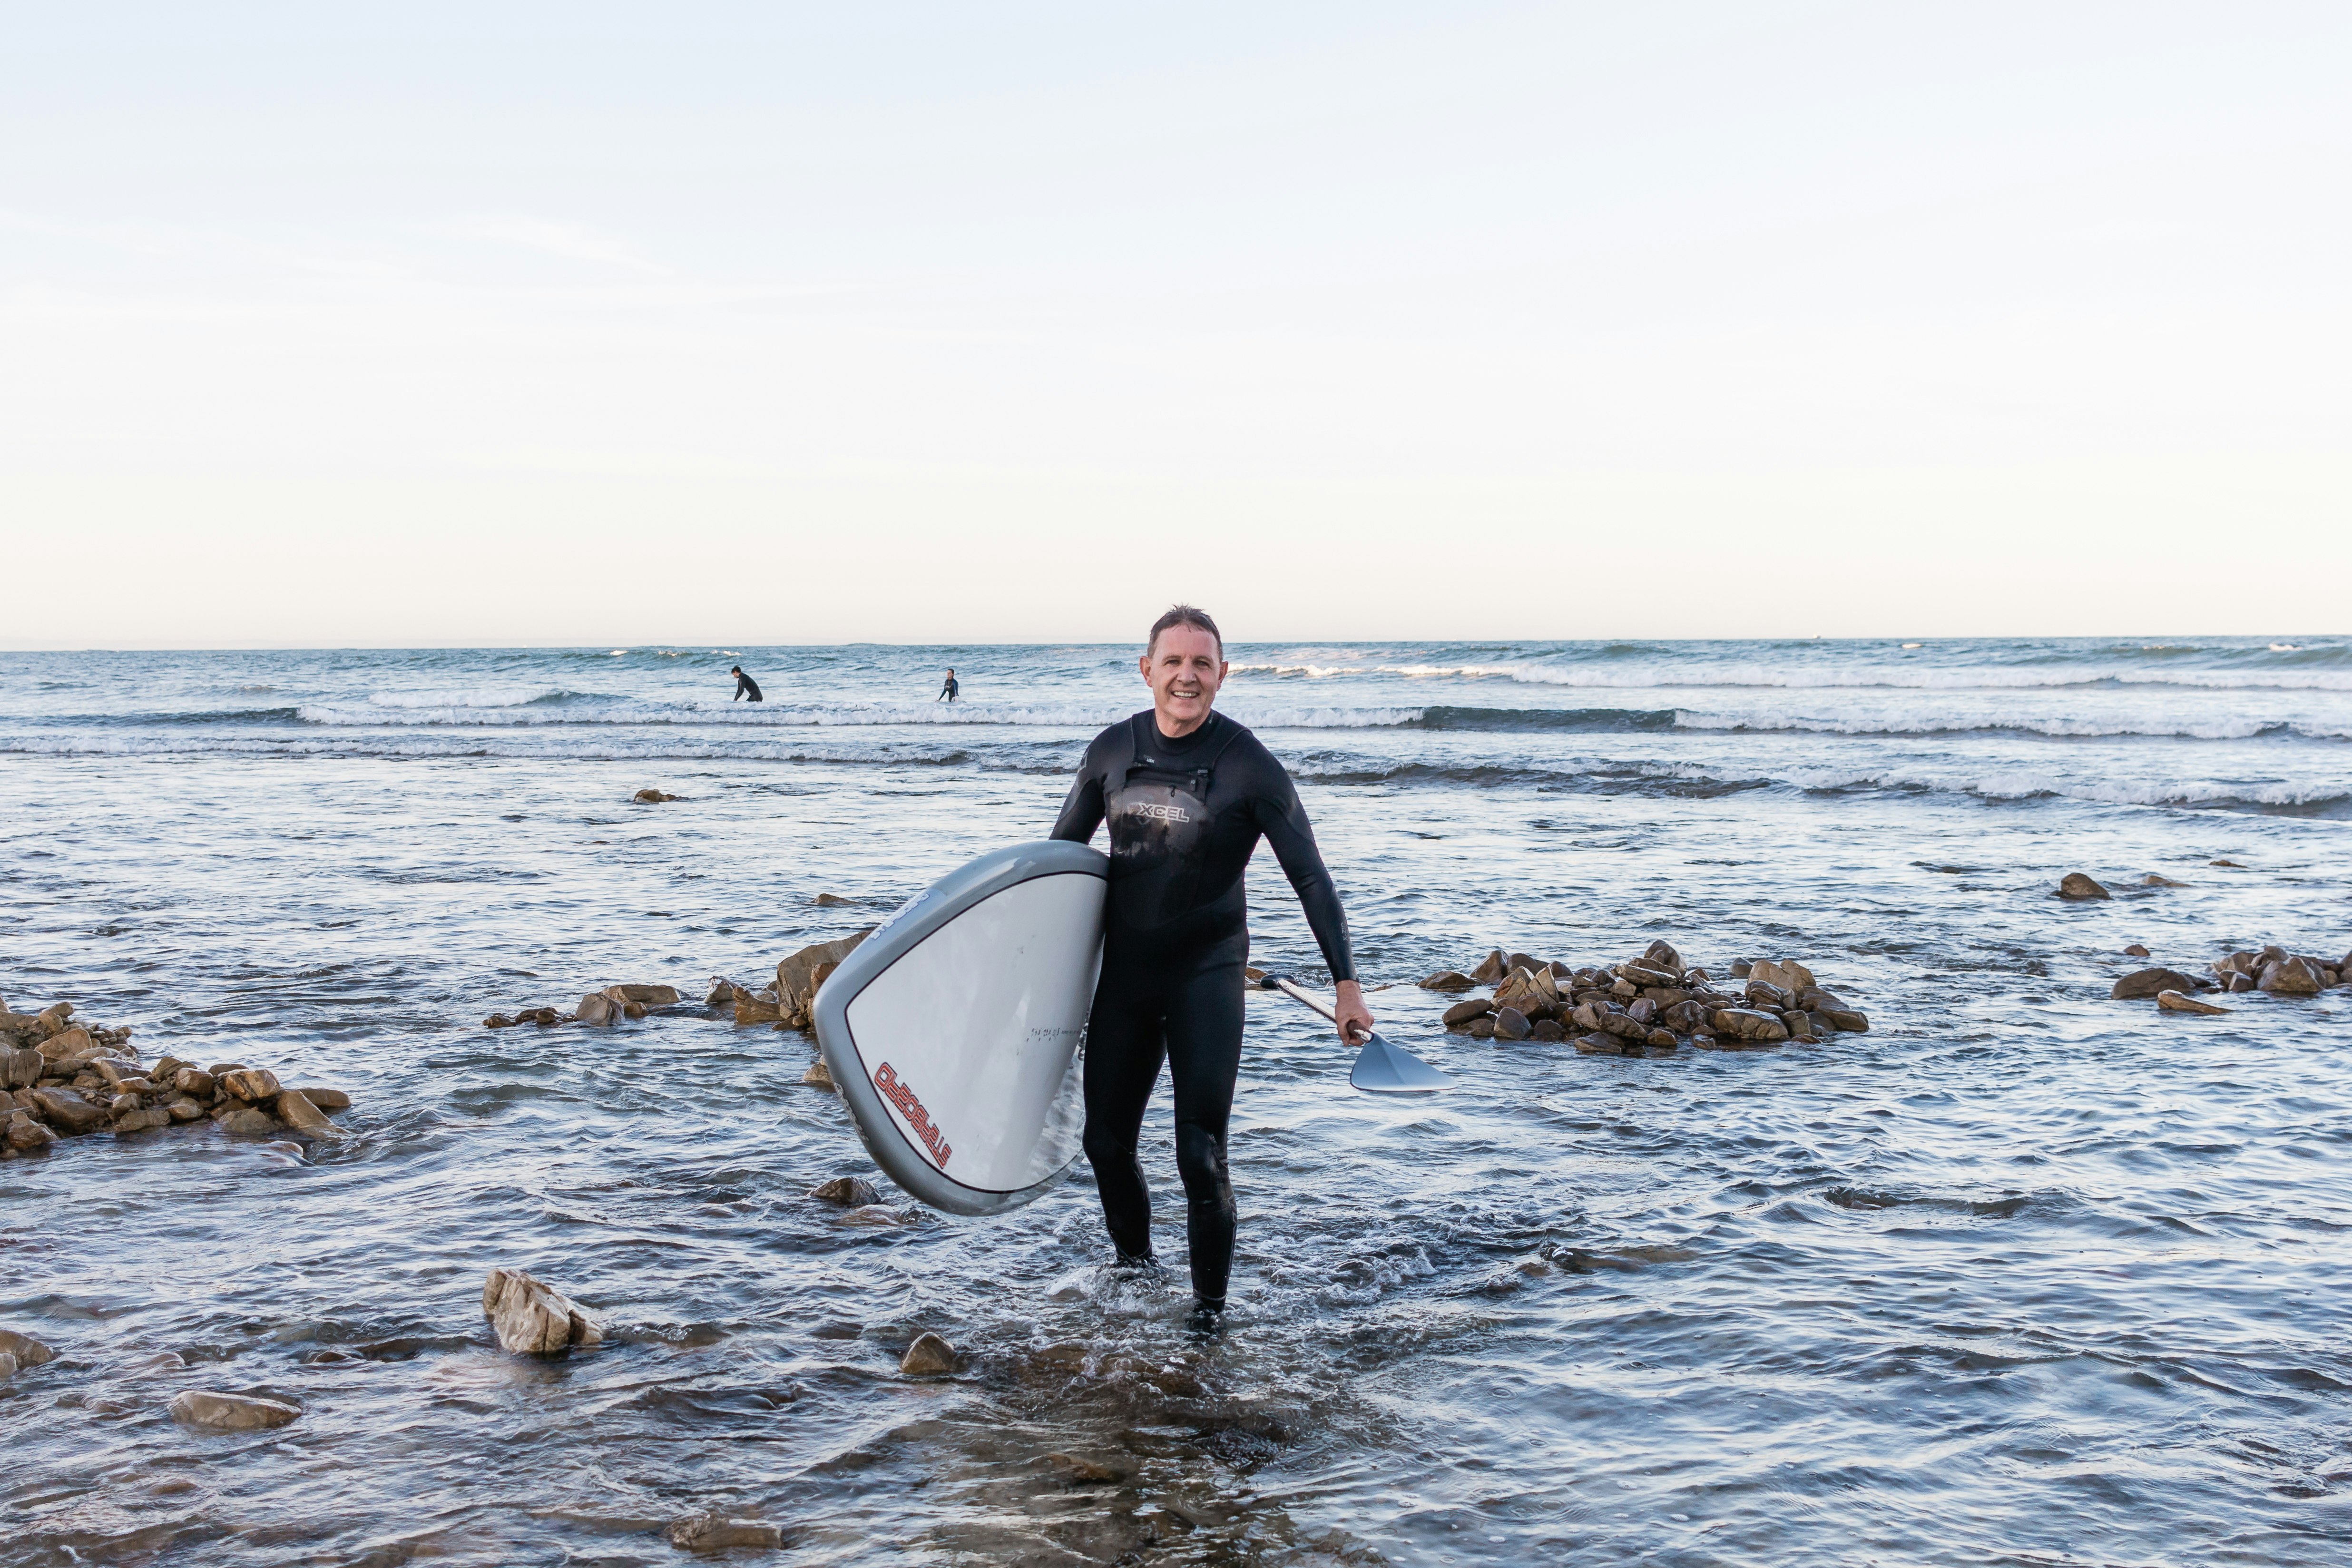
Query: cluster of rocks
column 601, row 1009
column 1645, row 1006
column 785, row 1004
column 61, row 1078
column 2076, row 886
column 2271, row 968
column 788, row 1004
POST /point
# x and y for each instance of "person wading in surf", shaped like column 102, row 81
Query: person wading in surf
column 745, row 686
column 1187, row 793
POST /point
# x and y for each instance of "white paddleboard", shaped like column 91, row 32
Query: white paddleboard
column 953, row 1031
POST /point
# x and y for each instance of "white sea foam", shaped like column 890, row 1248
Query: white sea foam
column 1657, row 675
column 467, row 698
column 1946, row 722
column 2018, row 783
column 533, row 711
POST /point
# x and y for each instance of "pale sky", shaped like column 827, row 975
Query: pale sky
column 753, row 323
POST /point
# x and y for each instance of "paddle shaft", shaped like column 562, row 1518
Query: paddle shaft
column 1299, row 993
column 1380, row 1068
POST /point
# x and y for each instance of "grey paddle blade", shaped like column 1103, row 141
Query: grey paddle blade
column 1381, row 1069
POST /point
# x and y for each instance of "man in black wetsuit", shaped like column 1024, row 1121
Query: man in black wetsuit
column 1187, row 793
column 745, row 686
column 948, row 691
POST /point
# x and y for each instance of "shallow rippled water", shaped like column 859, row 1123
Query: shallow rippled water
column 2022, row 1275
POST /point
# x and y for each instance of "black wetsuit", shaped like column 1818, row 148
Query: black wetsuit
column 948, row 691
column 1185, row 816
column 746, row 687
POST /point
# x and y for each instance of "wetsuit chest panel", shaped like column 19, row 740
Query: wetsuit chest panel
column 1157, row 813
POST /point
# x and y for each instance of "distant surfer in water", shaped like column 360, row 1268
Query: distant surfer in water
column 948, row 691
column 1187, row 793
column 745, row 686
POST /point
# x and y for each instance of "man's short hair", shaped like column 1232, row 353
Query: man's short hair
column 1185, row 615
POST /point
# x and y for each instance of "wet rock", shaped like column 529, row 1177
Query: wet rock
column 532, row 1317
column 2153, row 880
column 1547, row 1030
column 1684, row 1018
column 722, row 992
column 51, row 1019
column 1660, row 1040
column 1449, row 980
column 26, row 1136
column 651, row 995
column 1748, row 1024
column 1786, row 974
column 2240, row 982
column 1660, row 955
column 849, row 1192
column 1849, row 1020
column 195, row 1083
column 1600, row 1046
column 819, row 1076
column 1623, row 1026
column 798, row 977
column 20, row 1069
column 1643, row 975
column 830, row 900
column 545, row 1017
column 2149, row 982
column 1459, row 1015
column 2292, row 978
column 65, row 1045
column 230, row 1412
column 1762, row 994
column 654, row 797
column 1510, row 1023
column 328, row 1099
column 28, row 1350
column 2226, row 865
column 2075, row 885
column 597, row 1010
column 872, row 1214
column 252, row 1085
column 2178, row 1002
column 1642, row 1010
column 295, row 1110
column 710, row 1532
column 251, row 1121
column 1081, row 1472
column 142, row 1120
column 750, row 1009
column 1496, row 964
column 67, row 1111
column 181, row 1108
column 2136, row 951
column 929, row 1356
column 1481, row 1029
column 1517, row 990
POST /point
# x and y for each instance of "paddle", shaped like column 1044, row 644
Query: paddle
column 1380, row 1068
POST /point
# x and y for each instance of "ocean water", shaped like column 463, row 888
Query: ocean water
column 2022, row 1275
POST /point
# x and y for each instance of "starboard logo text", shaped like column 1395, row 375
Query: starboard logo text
column 886, row 1081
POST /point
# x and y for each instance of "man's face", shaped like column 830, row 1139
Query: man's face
column 1184, row 669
